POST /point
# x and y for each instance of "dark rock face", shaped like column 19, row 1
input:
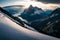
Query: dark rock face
column 51, row 24
column 55, row 25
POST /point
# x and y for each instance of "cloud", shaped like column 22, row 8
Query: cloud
column 49, row 1
column 52, row 7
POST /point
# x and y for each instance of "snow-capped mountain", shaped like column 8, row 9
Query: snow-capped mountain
column 33, row 14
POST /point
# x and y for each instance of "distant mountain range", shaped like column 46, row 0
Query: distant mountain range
column 47, row 22
column 15, row 9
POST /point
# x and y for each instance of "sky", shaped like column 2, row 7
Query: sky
column 44, row 4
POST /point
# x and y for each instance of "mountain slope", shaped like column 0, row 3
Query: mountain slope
column 50, row 25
